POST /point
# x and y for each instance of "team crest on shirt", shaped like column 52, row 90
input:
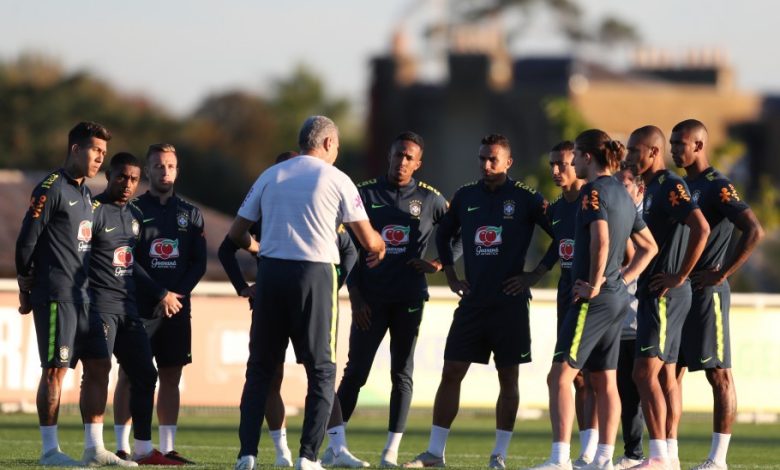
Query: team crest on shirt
column 182, row 220
column 415, row 208
column 509, row 208
column 487, row 239
column 648, row 202
column 695, row 196
column 136, row 227
column 84, row 235
column 64, row 353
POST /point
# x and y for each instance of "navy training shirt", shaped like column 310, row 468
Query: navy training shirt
column 496, row 229
column 55, row 239
column 172, row 249
column 405, row 217
column 666, row 205
column 606, row 199
column 720, row 203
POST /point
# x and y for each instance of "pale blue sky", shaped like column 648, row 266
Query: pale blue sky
column 178, row 51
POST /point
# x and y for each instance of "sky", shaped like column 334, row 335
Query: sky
column 176, row 52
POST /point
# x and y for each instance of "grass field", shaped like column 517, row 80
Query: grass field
column 210, row 438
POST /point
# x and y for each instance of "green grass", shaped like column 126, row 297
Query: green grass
column 211, row 439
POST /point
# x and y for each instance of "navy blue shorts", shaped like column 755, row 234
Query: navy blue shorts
column 660, row 323
column 67, row 332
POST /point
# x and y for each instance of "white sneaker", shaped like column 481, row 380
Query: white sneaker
column 653, row 463
column 426, row 459
column 550, row 465
column 710, row 465
column 246, row 462
column 284, row 459
column 624, row 463
column 344, row 460
column 389, row 459
column 302, row 463
column 594, row 466
column 57, row 458
column 580, row 463
column 497, row 461
column 100, row 457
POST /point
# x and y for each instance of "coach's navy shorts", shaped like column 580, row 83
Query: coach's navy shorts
column 706, row 338
column 501, row 328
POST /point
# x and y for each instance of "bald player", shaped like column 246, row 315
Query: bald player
column 663, row 290
column 706, row 331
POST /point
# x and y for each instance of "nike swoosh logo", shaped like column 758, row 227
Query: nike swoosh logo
column 559, row 352
column 332, row 433
column 554, row 222
column 472, row 209
column 705, row 360
column 412, row 310
column 377, row 206
column 645, row 348
column 148, row 220
column 525, row 355
column 110, row 229
column 72, row 203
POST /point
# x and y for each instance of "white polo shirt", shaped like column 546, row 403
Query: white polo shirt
column 302, row 201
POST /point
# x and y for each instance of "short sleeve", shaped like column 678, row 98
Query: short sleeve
column 250, row 208
column 592, row 206
column 727, row 200
column 677, row 199
column 350, row 204
column 639, row 222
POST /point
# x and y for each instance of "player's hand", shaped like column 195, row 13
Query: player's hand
column 662, row 282
column 460, row 287
column 25, row 282
column 584, row 290
column 707, row 278
column 25, row 306
column 424, row 266
column 373, row 258
column 520, row 283
column 170, row 304
column 361, row 312
column 248, row 292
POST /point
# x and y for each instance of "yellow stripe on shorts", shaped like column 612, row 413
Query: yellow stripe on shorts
column 662, row 329
column 52, row 329
column 334, row 314
column 718, row 325
column 575, row 343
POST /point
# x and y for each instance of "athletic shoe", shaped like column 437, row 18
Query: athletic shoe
column 426, row 459
column 100, row 457
column 123, row 455
column 284, row 460
column 653, row 463
column 550, row 465
column 595, row 466
column 580, row 463
column 344, row 460
column 302, row 463
column 497, row 461
column 155, row 457
column 173, row 455
column 710, row 465
column 389, row 459
column 57, row 458
column 246, row 462
column 625, row 462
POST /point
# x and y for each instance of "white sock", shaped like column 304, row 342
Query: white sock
column 604, row 454
column 167, row 437
column 142, row 448
column 720, row 447
column 279, row 436
column 122, row 433
column 93, row 435
column 561, row 452
column 502, row 442
column 671, row 449
column 589, row 441
column 337, row 439
column 49, row 439
column 659, row 449
column 438, row 440
column 393, row 441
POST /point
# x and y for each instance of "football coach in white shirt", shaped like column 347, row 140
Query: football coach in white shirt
column 302, row 202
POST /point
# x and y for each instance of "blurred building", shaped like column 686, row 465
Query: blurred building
column 486, row 90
